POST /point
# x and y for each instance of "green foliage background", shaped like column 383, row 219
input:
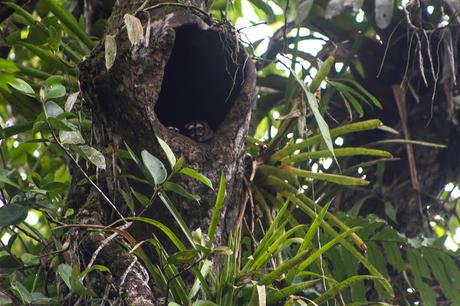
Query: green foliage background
column 296, row 248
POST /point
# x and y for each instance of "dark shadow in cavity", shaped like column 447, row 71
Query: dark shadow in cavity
column 201, row 79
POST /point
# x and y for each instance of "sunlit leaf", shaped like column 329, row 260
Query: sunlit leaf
column 155, row 167
column 197, row 176
column 7, row 66
column 22, row 86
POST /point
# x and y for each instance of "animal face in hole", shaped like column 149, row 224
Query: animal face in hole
column 198, row 130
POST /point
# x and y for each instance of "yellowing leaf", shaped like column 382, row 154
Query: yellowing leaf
column 134, row 28
column 110, row 51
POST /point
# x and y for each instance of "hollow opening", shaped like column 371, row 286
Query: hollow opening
column 202, row 79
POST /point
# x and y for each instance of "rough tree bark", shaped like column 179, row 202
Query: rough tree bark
column 187, row 67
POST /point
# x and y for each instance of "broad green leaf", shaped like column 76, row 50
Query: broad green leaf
column 6, row 180
column 54, row 79
column 22, row 86
column 176, row 188
column 169, row 153
column 54, row 90
column 15, row 129
column 72, row 281
column 265, row 7
column 390, row 211
column 12, row 214
column 217, row 207
column 196, row 175
column 155, row 167
column 71, row 137
column 65, row 272
column 92, row 155
column 134, row 28
column 45, row 55
column 64, row 125
column 5, row 79
column 29, row 259
column 22, row 291
column 52, row 109
column 110, row 51
column 38, row 126
column 142, row 167
column 8, row 66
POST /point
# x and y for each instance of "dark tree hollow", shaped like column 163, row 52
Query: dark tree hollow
column 202, row 78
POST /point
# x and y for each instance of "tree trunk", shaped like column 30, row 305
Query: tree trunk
column 186, row 68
